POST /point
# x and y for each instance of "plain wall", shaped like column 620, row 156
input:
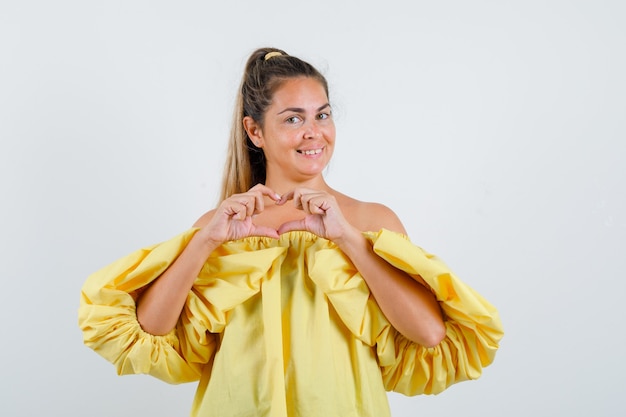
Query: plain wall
column 495, row 130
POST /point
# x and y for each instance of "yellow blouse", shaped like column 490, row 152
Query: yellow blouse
column 288, row 327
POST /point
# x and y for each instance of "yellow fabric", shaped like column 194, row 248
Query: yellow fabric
column 287, row 327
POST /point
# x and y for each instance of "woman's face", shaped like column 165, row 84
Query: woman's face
column 298, row 133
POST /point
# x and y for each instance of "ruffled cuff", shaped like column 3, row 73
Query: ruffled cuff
column 107, row 314
column 107, row 317
column 473, row 327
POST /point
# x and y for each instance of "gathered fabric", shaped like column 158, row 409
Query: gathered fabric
column 288, row 327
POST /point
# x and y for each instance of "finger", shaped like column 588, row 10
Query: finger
column 292, row 225
column 236, row 210
column 318, row 205
column 265, row 231
column 249, row 200
column 259, row 202
column 299, row 200
column 251, row 207
column 303, row 203
column 242, row 202
column 243, row 206
column 296, row 196
column 285, row 197
column 311, row 203
column 264, row 190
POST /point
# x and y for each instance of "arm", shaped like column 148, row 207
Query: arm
column 107, row 316
column 160, row 305
column 408, row 304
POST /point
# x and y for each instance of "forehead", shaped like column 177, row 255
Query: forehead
column 297, row 92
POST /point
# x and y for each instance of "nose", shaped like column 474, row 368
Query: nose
column 312, row 131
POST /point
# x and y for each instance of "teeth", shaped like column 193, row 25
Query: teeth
column 311, row 152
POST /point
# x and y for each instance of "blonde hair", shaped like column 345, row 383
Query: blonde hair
column 265, row 71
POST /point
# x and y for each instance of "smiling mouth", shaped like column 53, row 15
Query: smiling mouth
column 310, row 151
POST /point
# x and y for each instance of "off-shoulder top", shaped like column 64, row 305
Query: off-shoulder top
column 288, row 327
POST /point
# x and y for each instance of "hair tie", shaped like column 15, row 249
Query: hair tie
column 272, row 54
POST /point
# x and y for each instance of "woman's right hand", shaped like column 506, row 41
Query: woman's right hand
column 232, row 219
column 159, row 307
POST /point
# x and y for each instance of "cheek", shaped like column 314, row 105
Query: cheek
column 330, row 133
column 331, row 136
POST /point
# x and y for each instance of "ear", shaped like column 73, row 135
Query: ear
column 253, row 129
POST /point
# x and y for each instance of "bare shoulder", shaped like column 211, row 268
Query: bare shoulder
column 369, row 216
column 204, row 219
column 376, row 216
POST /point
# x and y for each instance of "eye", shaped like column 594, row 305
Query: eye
column 323, row 116
column 293, row 120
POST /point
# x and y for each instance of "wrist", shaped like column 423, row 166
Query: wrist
column 203, row 244
column 351, row 241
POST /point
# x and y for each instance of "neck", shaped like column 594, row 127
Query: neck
column 285, row 185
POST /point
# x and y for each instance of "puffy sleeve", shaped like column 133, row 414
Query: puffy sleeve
column 473, row 327
column 109, row 323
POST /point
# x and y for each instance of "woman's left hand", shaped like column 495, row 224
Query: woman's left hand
column 323, row 216
column 410, row 306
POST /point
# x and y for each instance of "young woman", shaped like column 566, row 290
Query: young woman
column 290, row 298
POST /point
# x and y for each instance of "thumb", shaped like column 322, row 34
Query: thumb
column 292, row 225
column 266, row 232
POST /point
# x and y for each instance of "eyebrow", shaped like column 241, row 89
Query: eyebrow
column 300, row 110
